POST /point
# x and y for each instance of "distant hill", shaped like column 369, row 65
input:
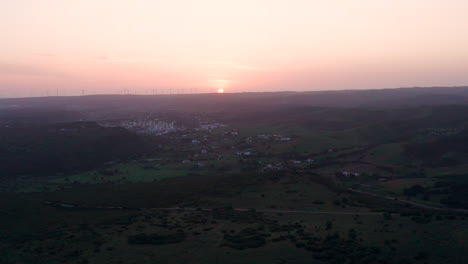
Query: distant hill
column 98, row 105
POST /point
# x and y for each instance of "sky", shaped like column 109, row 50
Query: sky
column 67, row 47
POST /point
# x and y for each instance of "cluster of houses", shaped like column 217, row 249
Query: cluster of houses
column 204, row 138
column 154, row 127
column 157, row 127
column 210, row 126
column 267, row 137
column 440, row 131
column 309, row 160
column 273, row 137
column 230, row 133
column 244, row 153
column 349, row 174
column 273, row 167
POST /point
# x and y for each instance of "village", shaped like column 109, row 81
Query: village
column 154, row 127
column 211, row 144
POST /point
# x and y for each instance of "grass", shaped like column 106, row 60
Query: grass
column 398, row 185
column 133, row 172
column 388, row 153
column 446, row 171
column 307, row 139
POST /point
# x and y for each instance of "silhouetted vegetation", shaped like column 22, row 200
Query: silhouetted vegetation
column 64, row 148
column 156, row 239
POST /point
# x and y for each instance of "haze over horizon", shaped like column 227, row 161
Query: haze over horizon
column 145, row 46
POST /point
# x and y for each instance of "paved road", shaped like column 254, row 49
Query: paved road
column 274, row 211
column 277, row 211
column 408, row 202
column 270, row 211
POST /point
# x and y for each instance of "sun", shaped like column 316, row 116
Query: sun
column 219, row 85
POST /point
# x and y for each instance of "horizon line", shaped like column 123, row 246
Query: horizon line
column 231, row 93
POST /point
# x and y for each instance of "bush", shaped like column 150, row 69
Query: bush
column 247, row 238
column 155, row 239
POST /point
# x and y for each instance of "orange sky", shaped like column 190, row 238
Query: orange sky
column 176, row 46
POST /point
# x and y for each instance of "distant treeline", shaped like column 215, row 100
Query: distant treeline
column 63, row 148
column 23, row 116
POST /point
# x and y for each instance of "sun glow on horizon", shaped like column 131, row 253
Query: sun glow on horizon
column 220, row 84
column 235, row 46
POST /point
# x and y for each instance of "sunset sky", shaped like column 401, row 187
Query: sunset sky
column 145, row 46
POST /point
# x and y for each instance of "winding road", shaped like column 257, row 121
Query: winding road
column 408, row 202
